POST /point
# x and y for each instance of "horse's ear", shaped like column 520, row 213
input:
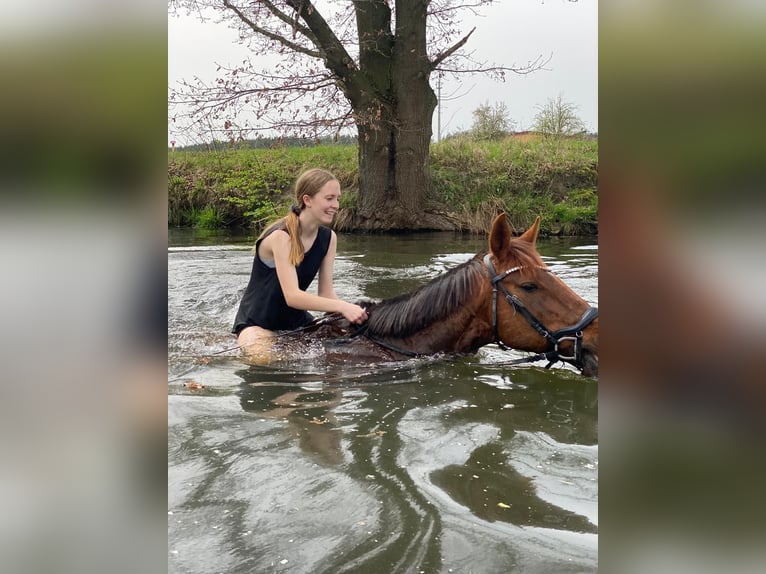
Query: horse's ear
column 500, row 235
column 530, row 234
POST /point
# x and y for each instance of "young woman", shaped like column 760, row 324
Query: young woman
column 288, row 256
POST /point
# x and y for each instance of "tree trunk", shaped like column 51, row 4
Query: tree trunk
column 394, row 125
column 394, row 169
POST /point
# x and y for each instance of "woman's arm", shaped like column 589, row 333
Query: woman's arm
column 297, row 299
column 326, row 270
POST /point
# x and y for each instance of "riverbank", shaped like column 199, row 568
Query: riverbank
column 525, row 176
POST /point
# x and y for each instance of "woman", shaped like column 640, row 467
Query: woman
column 288, row 256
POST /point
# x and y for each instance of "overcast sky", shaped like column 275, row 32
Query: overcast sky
column 510, row 32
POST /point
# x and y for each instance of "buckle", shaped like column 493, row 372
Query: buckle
column 576, row 346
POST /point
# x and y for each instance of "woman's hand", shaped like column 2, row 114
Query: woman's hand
column 354, row 313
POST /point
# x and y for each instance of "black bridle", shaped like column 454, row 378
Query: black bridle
column 572, row 333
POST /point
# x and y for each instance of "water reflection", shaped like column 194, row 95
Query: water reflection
column 438, row 444
column 492, row 491
column 309, row 416
column 313, row 466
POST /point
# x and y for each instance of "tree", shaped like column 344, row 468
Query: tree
column 558, row 118
column 491, row 122
column 367, row 65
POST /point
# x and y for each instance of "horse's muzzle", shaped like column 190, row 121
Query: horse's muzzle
column 589, row 363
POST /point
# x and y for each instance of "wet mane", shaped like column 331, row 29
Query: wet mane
column 409, row 313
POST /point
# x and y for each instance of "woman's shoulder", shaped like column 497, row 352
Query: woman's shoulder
column 277, row 233
column 326, row 231
column 326, row 234
column 275, row 239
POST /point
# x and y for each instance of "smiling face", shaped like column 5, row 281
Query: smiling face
column 325, row 203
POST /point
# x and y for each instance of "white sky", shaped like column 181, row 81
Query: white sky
column 510, row 32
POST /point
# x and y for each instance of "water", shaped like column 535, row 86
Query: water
column 438, row 465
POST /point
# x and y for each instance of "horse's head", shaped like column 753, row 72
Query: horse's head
column 533, row 310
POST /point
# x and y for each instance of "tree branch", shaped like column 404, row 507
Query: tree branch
column 439, row 58
column 481, row 67
column 271, row 35
column 336, row 57
column 292, row 22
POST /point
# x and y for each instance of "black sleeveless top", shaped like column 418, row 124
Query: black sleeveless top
column 264, row 304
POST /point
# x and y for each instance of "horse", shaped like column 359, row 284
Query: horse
column 506, row 295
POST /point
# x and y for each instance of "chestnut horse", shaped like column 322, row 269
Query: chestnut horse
column 506, row 296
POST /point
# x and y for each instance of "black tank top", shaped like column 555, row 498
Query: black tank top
column 264, row 304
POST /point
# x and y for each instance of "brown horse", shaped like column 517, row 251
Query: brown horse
column 507, row 296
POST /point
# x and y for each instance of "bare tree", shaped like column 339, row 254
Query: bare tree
column 558, row 118
column 491, row 122
column 366, row 65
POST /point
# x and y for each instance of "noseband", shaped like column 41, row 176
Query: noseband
column 572, row 333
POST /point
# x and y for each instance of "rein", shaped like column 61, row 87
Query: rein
column 361, row 331
column 390, row 347
column 572, row 333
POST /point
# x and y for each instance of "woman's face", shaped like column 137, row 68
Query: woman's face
column 325, row 202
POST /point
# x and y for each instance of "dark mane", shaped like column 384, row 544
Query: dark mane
column 409, row 313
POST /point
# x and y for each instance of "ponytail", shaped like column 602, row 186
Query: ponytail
column 292, row 225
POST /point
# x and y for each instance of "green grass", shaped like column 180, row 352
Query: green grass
column 244, row 186
column 554, row 178
column 472, row 181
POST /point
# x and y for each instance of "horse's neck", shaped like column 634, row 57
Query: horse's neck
column 461, row 332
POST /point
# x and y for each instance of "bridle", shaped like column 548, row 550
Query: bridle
column 572, row 333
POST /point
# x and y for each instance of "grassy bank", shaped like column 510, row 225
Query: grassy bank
column 523, row 175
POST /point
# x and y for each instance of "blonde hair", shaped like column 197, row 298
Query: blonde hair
column 308, row 183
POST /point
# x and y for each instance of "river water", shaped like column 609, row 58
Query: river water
column 429, row 465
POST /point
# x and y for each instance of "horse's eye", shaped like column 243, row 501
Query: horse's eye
column 529, row 287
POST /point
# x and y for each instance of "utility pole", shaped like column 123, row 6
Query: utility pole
column 438, row 107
